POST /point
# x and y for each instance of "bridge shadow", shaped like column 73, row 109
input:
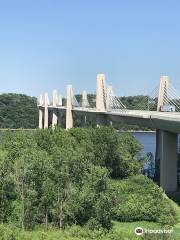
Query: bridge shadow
column 175, row 196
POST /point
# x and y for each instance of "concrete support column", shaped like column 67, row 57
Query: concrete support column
column 40, row 104
column 46, row 113
column 69, row 115
column 167, row 152
column 83, row 121
column 157, row 157
column 59, row 112
column 163, row 88
column 40, row 118
column 54, row 118
column 54, row 115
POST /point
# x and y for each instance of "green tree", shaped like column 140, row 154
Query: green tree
column 116, row 151
column 7, row 194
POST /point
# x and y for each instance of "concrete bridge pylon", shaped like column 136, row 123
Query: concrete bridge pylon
column 100, row 100
column 163, row 88
column 100, row 91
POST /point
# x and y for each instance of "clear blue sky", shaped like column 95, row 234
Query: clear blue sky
column 46, row 44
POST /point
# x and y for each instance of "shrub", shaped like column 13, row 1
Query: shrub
column 138, row 198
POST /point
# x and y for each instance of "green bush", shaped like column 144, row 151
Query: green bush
column 137, row 198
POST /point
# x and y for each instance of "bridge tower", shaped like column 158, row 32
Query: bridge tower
column 100, row 100
column 163, row 88
column 100, row 91
column 69, row 114
column 166, row 147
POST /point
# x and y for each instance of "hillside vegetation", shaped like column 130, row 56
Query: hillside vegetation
column 84, row 182
column 18, row 111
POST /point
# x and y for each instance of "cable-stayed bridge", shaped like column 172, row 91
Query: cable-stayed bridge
column 159, row 110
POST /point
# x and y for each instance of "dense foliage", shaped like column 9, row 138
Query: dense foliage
column 138, row 198
column 62, row 177
column 85, row 177
column 18, row 111
column 139, row 102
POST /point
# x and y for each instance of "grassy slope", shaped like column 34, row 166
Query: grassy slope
column 177, row 226
column 124, row 231
column 129, row 227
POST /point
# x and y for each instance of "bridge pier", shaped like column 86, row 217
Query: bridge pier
column 40, row 118
column 157, row 156
column 83, row 121
column 54, row 113
column 54, row 118
column 166, row 152
column 46, row 111
column 69, row 114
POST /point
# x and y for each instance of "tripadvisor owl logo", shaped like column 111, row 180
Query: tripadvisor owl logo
column 138, row 231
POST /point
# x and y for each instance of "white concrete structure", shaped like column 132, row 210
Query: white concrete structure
column 100, row 89
column 46, row 112
column 163, row 88
column 55, row 113
column 40, row 112
column 40, row 118
column 69, row 113
column 100, row 100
